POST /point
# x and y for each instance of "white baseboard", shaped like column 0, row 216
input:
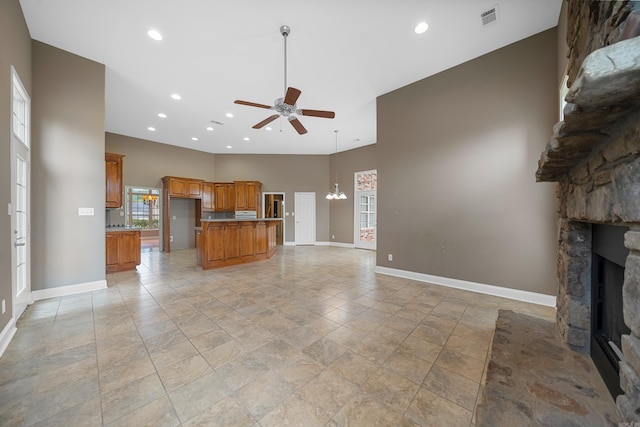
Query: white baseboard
column 343, row 245
column 62, row 291
column 515, row 294
column 7, row 333
column 321, row 244
column 289, row 243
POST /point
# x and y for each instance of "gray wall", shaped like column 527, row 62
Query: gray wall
column 146, row 162
column 456, row 158
column 67, row 169
column 346, row 164
column 284, row 173
column 15, row 49
column 183, row 225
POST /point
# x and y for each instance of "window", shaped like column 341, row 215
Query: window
column 142, row 207
column 20, row 111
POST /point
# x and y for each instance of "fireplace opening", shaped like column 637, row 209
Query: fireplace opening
column 607, row 322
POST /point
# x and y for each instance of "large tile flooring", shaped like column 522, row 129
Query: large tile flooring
column 311, row 337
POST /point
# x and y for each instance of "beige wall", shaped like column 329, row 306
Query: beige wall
column 563, row 49
column 67, row 169
column 456, row 158
column 346, row 164
column 15, row 49
column 283, row 173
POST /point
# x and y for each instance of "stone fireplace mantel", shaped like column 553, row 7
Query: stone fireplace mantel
column 594, row 155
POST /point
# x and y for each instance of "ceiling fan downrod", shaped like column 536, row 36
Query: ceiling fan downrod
column 285, row 30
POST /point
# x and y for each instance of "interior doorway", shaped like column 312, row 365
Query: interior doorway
column 273, row 207
column 305, row 216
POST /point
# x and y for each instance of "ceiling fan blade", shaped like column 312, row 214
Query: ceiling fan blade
column 297, row 125
column 266, row 121
column 292, row 96
column 252, row 104
column 318, row 113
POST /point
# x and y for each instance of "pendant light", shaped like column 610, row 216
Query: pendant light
column 336, row 194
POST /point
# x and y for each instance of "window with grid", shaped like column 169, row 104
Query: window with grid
column 143, row 207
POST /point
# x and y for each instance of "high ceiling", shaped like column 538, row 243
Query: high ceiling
column 342, row 54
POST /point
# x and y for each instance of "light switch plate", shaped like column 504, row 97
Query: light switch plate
column 8, row 208
column 85, row 212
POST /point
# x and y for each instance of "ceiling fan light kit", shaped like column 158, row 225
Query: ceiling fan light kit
column 287, row 106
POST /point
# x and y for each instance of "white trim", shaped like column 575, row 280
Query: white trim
column 343, row 245
column 320, row 244
column 515, row 294
column 289, row 243
column 62, row 291
column 7, row 334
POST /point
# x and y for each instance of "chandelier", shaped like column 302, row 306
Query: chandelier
column 149, row 199
column 336, row 194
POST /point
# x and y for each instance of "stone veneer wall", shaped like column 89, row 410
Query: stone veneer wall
column 594, row 155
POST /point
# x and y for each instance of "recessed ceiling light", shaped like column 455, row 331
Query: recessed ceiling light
column 194, row 139
column 151, row 128
column 228, row 146
column 268, row 128
column 209, row 128
column 162, row 115
column 246, row 138
column 154, row 34
column 229, row 115
column 176, row 97
column 421, row 28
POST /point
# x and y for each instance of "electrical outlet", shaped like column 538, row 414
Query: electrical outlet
column 170, row 239
column 85, row 212
column 389, row 257
column 333, row 237
column 4, row 306
column 121, row 213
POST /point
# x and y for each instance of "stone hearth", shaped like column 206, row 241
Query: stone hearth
column 594, row 155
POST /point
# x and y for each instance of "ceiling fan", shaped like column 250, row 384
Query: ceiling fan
column 286, row 106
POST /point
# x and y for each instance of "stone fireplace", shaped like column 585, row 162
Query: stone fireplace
column 594, row 155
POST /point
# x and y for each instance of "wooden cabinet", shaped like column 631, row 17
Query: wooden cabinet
column 122, row 250
column 233, row 242
column 208, row 197
column 248, row 196
column 224, row 197
column 113, row 172
column 183, row 187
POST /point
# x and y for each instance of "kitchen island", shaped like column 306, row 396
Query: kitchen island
column 225, row 242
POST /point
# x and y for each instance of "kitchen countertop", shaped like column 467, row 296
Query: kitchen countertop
column 122, row 228
column 240, row 219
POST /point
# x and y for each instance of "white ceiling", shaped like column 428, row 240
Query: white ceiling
column 342, row 54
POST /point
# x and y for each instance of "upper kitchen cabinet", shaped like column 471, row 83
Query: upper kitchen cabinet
column 248, row 196
column 224, row 197
column 183, row 187
column 208, row 197
column 113, row 170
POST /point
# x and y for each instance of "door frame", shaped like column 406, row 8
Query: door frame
column 264, row 207
column 22, row 149
column 295, row 208
column 356, row 213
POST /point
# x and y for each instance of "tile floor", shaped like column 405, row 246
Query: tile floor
column 311, row 337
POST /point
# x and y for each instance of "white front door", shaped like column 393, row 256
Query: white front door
column 20, row 196
column 365, row 233
column 305, row 217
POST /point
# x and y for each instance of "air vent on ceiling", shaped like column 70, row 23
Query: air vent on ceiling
column 489, row 17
